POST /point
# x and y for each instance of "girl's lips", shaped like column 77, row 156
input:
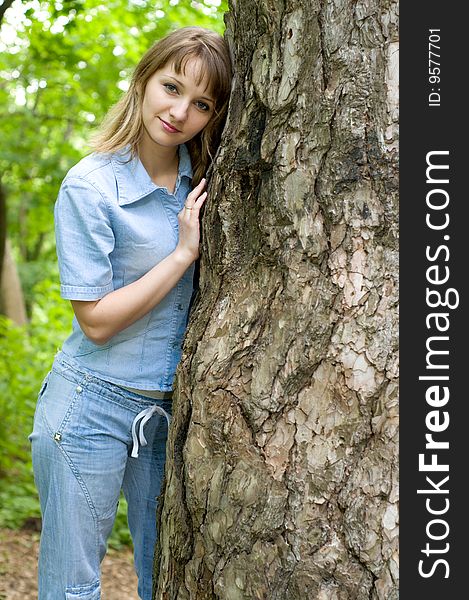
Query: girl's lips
column 169, row 128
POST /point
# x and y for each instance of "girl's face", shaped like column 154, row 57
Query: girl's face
column 174, row 107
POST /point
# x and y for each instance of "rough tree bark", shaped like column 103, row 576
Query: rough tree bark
column 281, row 481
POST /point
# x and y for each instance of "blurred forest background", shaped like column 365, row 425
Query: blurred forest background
column 62, row 65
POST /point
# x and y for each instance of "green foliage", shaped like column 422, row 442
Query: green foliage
column 18, row 502
column 62, row 65
column 120, row 535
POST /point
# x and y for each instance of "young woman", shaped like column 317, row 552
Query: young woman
column 127, row 230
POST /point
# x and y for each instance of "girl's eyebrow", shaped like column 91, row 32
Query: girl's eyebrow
column 182, row 85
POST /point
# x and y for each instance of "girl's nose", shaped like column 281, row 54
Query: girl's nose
column 179, row 110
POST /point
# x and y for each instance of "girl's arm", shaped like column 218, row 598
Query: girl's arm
column 101, row 319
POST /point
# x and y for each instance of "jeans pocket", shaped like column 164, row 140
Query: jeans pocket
column 84, row 592
column 42, row 389
column 43, row 386
column 57, row 402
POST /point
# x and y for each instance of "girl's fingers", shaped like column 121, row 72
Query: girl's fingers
column 198, row 188
column 198, row 203
column 191, row 208
column 194, row 201
column 196, row 191
column 200, row 200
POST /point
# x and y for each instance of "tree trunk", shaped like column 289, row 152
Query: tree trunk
column 3, row 228
column 4, row 7
column 12, row 302
column 281, row 481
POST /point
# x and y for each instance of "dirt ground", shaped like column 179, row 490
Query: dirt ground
column 18, row 559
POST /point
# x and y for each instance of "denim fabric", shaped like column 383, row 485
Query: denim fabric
column 113, row 224
column 81, row 443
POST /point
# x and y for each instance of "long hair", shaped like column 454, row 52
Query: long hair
column 123, row 125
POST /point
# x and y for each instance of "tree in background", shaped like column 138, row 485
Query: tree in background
column 281, row 481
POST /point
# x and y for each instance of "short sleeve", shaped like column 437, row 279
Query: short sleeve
column 85, row 240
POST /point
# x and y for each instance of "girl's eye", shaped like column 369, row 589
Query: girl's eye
column 170, row 87
column 202, row 105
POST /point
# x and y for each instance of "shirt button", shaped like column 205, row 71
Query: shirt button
column 79, row 389
column 180, row 307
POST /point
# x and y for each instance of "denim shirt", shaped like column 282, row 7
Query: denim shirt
column 113, row 224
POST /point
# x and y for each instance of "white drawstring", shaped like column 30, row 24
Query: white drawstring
column 145, row 416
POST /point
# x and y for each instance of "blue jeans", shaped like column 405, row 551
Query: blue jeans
column 81, row 446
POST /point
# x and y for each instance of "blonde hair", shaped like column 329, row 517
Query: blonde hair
column 123, row 125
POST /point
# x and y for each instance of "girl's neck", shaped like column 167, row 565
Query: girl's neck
column 160, row 162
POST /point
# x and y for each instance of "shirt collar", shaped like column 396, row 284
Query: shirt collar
column 133, row 181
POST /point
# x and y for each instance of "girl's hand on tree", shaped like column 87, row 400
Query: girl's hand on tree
column 189, row 226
